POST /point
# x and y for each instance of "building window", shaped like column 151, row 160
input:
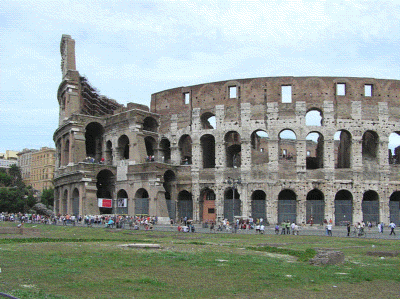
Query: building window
column 286, row 93
column 368, row 90
column 341, row 89
column 211, row 211
column 232, row 92
column 186, row 97
column 308, row 153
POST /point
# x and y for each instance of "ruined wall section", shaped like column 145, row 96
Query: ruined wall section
column 259, row 92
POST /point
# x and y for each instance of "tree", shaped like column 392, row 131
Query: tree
column 15, row 173
column 48, row 197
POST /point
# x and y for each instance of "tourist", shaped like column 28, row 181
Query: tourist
column 392, row 227
column 329, row 229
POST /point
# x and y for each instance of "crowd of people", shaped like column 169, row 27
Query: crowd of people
column 184, row 224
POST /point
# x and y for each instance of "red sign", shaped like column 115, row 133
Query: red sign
column 105, row 203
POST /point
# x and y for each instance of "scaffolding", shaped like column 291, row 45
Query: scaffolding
column 95, row 104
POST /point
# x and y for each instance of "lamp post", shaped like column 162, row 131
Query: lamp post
column 234, row 183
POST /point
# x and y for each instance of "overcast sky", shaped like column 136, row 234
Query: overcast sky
column 131, row 49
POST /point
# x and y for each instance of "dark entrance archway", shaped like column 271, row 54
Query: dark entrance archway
column 169, row 185
column 232, row 207
column 315, row 206
column 142, row 202
column 75, row 202
column 122, row 202
column 287, row 206
column 370, row 207
column 258, row 207
column 105, row 185
column 185, row 205
column 394, row 207
column 343, row 208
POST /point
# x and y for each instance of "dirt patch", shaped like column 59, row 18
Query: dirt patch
column 384, row 253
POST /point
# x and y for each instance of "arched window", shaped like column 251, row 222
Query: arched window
column 315, row 150
column 314, row 118
column 287, row 146
column 207, row 143
column 342, row 142
column 259, row 147
column 93, row 140
column 208, row 121
column 233, row 149
column 185, row 149
column 123, row 147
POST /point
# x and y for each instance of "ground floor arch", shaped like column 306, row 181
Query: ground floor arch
column 343, row 208
column 315, row 207
column 121, row 206
column 287, row 206
column 258, row 205
column 142, row 202
column 394, row 208
column 232, row 204
column 185, row 205
column 207, row 206
column 370, row 207
column 75, row 202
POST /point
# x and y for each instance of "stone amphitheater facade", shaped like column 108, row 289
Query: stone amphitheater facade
column 304, row 149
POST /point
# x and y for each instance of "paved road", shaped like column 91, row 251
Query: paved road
column 309, row 231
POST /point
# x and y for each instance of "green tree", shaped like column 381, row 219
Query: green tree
column 48, row 197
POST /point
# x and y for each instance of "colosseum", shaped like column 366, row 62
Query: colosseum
column 304, row 149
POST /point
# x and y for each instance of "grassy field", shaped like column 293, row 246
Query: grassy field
column 80, row 262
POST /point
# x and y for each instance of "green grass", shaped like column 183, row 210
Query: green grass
column 76, row 262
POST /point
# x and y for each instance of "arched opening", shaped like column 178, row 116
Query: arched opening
column 150, row 144
column 109, row 153
column 370, row 147
column 394, row 148
column 343, row 208
column 122, row 202
column 287, row 146
column 315, row 207
column 150, row 124
column 66, row 152
column 142, row 202
column 105, row 186
column 370, row 207
column 58, row 148
column 169, row 185
column 207, row 143
column 208, row 121
column 207, row 205
column 233, row 149
column 314, row 118
column 75, row 202
column 65, row 202
column 165, row 148
column 93, row 140
column 259, row 147
column 185, row 149
column 232, row 208
column 258, row 205
column 185, row 205
column 287, row 206
column 123, row 147
column 342, row 144
column 394, row 207
column 314, row 150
